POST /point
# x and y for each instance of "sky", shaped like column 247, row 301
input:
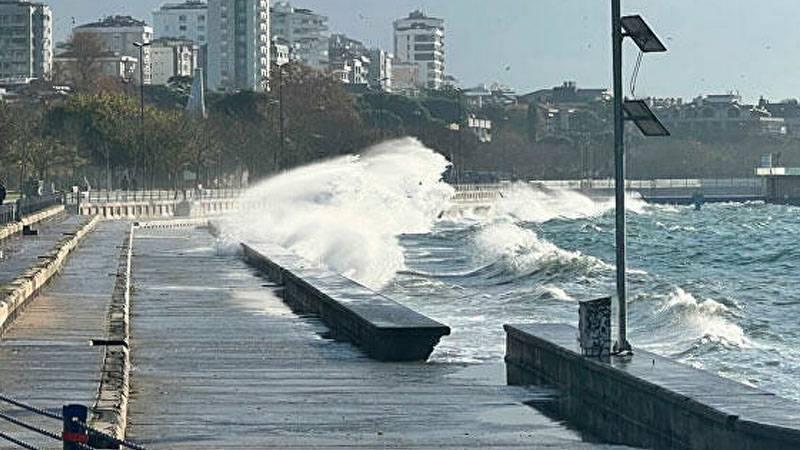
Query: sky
column 715, row 46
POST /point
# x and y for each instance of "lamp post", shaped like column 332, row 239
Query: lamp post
column 638, row 112
column 141, row 46
column 282, row 132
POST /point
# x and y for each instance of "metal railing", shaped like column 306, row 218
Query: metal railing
column 8, row 213
column 75, row 433
column 12, row 212
column 154, row 195
column 30, row 205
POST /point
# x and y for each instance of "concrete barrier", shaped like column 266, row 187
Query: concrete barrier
column 32, row 219
column 110, row 410
column 158, row 208
column 383, row 328
column 15, row 295
column 647, row 400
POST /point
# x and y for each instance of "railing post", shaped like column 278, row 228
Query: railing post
column 73, row 432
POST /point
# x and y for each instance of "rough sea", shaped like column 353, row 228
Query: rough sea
column 713, row 288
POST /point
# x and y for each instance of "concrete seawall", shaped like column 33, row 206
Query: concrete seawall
column 15, row 295
column 158, row 208
column 650, row 401
column 110, row 410
column 16, row 227
column 381, row 327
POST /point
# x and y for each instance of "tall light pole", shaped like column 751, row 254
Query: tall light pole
column 622, row 344
column 141, row 46
column 638, row 112
column 282, row 131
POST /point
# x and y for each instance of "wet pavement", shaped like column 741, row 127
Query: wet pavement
column 219, row 361
column 18, row 252
column 45, row 356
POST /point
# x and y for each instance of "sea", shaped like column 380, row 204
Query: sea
column 712, row 288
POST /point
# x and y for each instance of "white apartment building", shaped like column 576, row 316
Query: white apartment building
column 172, row 58
column 238, row 45
column 187, row 20
column 279, row 53
column 117, row 34
column 380, row 70
column 26, row 40
column 305, row 32
column 419, row 39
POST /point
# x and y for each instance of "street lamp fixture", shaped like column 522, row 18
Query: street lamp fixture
column 640, row 33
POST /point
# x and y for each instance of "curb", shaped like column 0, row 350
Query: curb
column 110, row 410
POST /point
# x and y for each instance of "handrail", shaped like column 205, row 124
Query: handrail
column 42, row 412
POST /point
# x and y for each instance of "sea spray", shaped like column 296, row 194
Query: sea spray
column 347, row 213
column 531, row 203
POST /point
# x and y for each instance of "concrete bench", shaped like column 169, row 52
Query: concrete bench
column 648, row 400
column 383, row 328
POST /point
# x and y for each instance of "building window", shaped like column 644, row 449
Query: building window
column 182, row 18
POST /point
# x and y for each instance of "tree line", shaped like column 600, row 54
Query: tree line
column 98, row 136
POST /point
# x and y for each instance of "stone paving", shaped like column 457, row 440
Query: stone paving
column 18, row 252
column 45, row 356
column 219, row 361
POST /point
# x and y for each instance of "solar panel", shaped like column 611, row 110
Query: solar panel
column 639, row 113
column 638, row 30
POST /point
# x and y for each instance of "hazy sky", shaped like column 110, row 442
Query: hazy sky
column 715, row 45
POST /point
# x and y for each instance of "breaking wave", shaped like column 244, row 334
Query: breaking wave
column 702, row 322
column 347, row 213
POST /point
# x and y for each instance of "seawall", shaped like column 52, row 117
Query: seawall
column 647, row 400
column 157, row 208
column 15, row 295
column 383, row 328
column 16, row 227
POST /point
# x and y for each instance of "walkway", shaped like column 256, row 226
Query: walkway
column 18, row 252
column 220, row 362
column 45, row 357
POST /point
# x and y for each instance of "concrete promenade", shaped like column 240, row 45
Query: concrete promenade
column 219, row 361
column 18, row 252
column 45, row 356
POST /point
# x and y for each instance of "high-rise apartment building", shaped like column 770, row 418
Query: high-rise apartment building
column 419, row 39
column 306, row 33
column 238, row 45
column 187, row 21
column 26, row 40
column 380, row 70
column 117, row 34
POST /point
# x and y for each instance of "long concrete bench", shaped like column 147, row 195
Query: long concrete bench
column 383, row 328
column 647, row 400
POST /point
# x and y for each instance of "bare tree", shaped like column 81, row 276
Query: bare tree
column 81, row 65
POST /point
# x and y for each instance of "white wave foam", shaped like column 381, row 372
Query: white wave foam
column 346, row 213
column 530, row 203
column 521, row 250
column 554, row 292
column 704, row 320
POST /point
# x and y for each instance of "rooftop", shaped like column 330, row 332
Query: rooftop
column 115, row 22
column 188, row 4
